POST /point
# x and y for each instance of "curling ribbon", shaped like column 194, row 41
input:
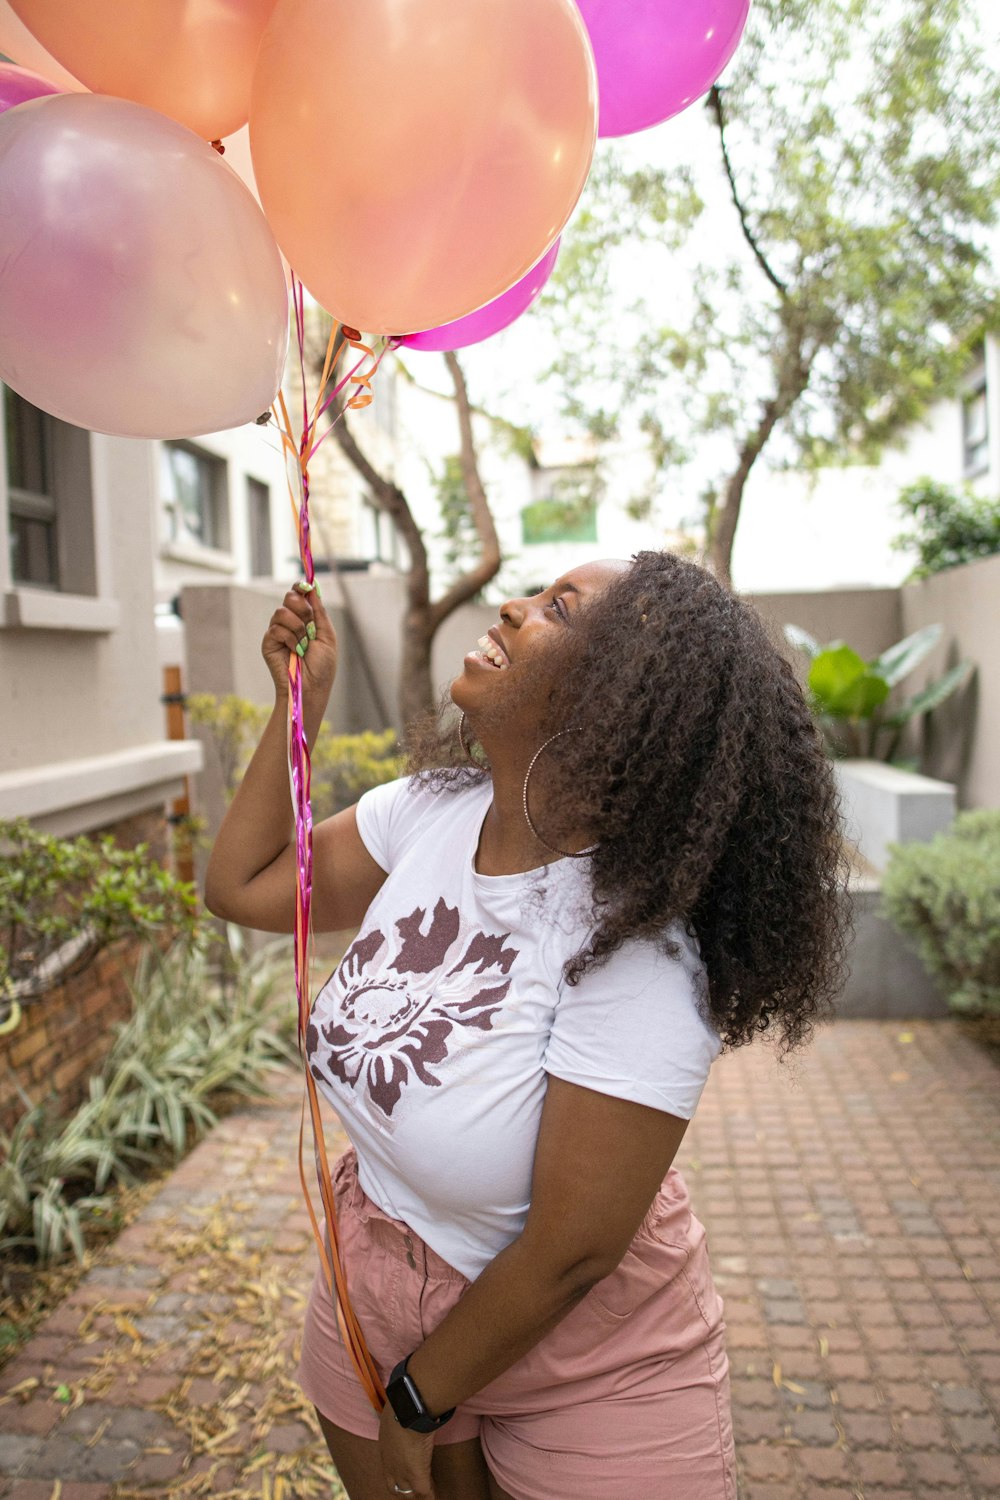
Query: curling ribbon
column 299, row 775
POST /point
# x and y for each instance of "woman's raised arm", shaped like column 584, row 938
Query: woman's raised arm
column 251, row 872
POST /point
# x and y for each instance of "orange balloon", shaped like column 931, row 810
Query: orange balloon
column 190, row 59
column 17, row 43
column 415, row 158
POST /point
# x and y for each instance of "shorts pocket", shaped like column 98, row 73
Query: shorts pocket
column 655, row 1258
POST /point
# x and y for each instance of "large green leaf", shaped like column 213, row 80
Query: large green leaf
column 900, row 659
column 843, row 684
column 802, row 641
column 931, row 697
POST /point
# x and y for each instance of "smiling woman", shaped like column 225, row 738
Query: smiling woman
column 558, row 935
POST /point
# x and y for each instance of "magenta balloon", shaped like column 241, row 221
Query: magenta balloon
column 18, row 85
column 655, row 57
column 141, row 291
column 490, row 319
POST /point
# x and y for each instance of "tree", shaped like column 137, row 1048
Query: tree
column 859, row 154
column 423, row 614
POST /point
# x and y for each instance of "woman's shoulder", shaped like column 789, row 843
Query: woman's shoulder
column 394, row 814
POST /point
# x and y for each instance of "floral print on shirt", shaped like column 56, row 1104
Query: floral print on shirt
column 401, row 1000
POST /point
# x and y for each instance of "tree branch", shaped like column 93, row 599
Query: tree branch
column 714, row 102
column 521, row 436
column 470, row 582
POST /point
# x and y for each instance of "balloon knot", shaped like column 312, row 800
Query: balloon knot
column 263, row 419
column 218, row 146
column 351, row 333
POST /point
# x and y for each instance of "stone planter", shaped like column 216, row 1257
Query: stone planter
column 882, row 805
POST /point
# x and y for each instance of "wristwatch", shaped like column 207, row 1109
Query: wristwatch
column 408, row 1404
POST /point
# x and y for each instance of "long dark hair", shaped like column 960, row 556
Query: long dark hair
column 700, row 772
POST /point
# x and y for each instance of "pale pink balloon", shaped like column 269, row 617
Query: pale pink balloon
column 17, row 43
column 492, row 318
column 191, row 59
column 415, row 158
column 18, row 85
column 236, row 154
column 141, row 291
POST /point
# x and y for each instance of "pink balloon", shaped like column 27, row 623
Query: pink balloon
column 141, row 291
column 493, row 317
column 655, row 57
column 18, row 85
column 17, row 43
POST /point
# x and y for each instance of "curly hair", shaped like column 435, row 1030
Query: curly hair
column 698, row 769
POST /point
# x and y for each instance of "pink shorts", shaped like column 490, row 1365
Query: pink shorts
column 628, row 1395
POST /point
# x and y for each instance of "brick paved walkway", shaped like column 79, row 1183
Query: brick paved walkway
column 852, row 1201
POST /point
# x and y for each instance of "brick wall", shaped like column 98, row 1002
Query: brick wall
column 66, row 1034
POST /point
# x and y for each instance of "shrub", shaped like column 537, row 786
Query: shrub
column 343, row 765
column 194, row 1031
column 63, row 900
column 949, row 525
column 945, row 894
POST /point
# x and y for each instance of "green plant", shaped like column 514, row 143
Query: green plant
column 945, row 894
column 343, row 765
column 234, row 725
column 63, row 900
column 849, row 695
column 197, row 1028
column 951, row 525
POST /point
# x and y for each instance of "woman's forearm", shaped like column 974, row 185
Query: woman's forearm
column 503, row 1314
column 258, row 824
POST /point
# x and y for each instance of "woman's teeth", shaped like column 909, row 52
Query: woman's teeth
column 492, row 652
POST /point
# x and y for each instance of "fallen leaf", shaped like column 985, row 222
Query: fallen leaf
column 905, row 1036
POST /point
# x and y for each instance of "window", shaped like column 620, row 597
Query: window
column 567, row 508
column 193, row 490
column 34, row 556
column 259, row 523
column 975, row 430
column 49, row 503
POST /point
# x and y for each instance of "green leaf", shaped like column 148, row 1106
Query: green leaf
column 925, row 702
column 899, row 660
column 844, row 686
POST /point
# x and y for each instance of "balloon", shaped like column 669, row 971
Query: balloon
column 491, row 318
column 17, row 85
column 655, row 57
column 192, row 60
column 141, row 291
column 415, row 158
column 17, row 43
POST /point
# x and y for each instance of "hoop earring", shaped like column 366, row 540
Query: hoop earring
column 479, row 764
column 566, row 853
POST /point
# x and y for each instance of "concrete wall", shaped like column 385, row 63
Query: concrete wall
column 962, row 742
column 82, row 730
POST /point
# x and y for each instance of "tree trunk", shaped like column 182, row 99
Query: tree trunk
column 793, row 377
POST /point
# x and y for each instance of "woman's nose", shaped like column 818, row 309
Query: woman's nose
column 512, row 612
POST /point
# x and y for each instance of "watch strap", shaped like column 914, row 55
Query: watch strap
column 408, row 1404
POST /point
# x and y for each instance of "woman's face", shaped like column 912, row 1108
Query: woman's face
column 505, row 686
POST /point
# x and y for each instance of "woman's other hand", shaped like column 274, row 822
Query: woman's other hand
column 406, row 1456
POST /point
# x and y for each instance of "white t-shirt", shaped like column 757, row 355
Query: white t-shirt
column 434, row 1036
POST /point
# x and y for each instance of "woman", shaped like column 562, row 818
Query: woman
column 638, row 868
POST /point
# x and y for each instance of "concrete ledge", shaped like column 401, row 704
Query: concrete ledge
column 882, row 805
column 45, row 609
column 887, row 981
column 140, row 777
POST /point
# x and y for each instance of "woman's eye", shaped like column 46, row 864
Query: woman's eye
column 559, row 608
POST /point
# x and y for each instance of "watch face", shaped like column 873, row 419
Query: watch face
column 405, row 1401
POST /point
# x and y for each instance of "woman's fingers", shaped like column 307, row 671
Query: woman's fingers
column 289, row 619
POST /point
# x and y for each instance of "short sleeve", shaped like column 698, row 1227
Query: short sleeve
column 637, row 1028
column 391, row 815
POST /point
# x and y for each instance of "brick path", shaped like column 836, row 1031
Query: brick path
column 853, row 1213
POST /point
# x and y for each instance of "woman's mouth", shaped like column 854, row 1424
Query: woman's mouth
column 490, row 652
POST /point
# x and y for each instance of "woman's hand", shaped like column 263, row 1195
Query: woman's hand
column 302, row 621
column 406, row 1457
